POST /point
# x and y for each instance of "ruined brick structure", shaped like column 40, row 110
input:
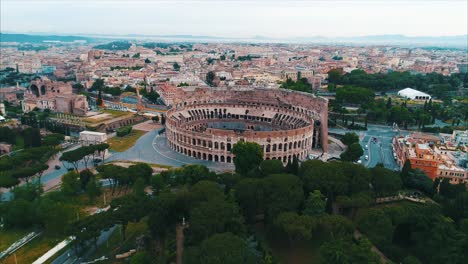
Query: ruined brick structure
column 205, row 123
column 56, row 96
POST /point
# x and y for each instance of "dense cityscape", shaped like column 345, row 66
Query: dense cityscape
column 197, row 149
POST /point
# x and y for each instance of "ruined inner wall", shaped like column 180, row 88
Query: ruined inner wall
column 305, row 103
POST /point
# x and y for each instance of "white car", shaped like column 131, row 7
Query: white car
column 366, row 146
column 359, row 161
column 366, row 157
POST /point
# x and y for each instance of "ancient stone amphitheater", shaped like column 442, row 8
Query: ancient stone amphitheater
column 205, row 123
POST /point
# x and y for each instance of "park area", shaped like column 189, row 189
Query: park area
column 123, row 143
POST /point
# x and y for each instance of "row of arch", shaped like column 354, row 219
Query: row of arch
column 229, row 158
column 248, row 101
column 267, row 148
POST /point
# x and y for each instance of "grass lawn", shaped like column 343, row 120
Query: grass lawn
column 116, row 113
column 33, row 250
column 123, row 143
column 8, row 237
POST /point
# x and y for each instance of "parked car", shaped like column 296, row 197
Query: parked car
column 57, row 167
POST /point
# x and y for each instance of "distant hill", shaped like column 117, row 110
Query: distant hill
column 23, row 38
column 120, row 42
column 115, row 45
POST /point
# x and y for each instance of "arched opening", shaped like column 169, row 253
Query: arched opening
column 204, row 156
column 199, row 155
column 229, row 159
column 210, row 157
column 35, row 90
column 216, row 158
column 43, row 90
column 228, row 146
column 222, row 158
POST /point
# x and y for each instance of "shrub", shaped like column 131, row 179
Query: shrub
column 123, row 131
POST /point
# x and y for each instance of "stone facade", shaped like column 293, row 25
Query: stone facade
column 205, row 123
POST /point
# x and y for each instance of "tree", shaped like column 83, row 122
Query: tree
column 85, row 177
column 268, row 167
column 334, row 75
column 163, row 120
column 210, row 76
column 249, row 155
column 155, row 119
column 162, row 220
column 377, row 225
column 315, row 204
column 93, row 189
column 99, row 101
column 55, row 216
column 352, row 153
column 7, row 181
column 140, row 171
column 344, row 251
column 350, row 138
column 224, row 248
column 283, row 192
column 28, row 192
column 204, row 191
column 129, row 208
column 406, row 169
column 147, row 60
column 411, row 260
column 98, row 85
column 295, row 227
column 139, row 187
column 32, row 138
column 389, row 103
column 70, row 183
column 140, row 258
column 214, row 216
column 293, row 166
column 355, row 95
column 384, row 181
column 176, row 66
column 78, row 86
column 158, row 183
column 417, row 179
column 20, row 214
column 250, row 194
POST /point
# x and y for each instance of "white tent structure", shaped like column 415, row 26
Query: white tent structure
column 413, row 94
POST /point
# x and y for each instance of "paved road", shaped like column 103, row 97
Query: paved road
column 378, row 151
column 153, row 148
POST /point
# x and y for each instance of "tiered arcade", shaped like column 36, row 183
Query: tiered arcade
column 206, row 122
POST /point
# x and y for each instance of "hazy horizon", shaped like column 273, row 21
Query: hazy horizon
column 237, row 19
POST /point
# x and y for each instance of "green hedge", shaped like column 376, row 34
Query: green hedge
column 123, row 131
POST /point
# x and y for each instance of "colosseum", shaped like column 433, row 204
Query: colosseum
column 205, row 123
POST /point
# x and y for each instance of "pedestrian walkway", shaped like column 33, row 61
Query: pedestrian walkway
column 54, row 250
column 18, row 244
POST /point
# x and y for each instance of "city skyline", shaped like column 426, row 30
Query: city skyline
column 237, row 19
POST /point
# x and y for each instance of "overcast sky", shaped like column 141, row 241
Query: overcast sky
column 274, row 18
